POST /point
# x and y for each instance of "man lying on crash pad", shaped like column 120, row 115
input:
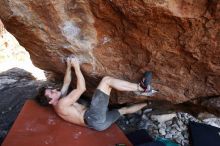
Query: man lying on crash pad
column 97, row 116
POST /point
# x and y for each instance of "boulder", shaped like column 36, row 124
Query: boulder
column 177, row 40
column 16, row 86
column 213, row 104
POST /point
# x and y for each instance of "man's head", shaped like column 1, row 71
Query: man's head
column 48, row 95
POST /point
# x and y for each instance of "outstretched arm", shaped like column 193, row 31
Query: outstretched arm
column 80, row 86
column 67, row 78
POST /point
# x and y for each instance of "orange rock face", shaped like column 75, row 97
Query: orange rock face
column 177, row 40
column 1, row 28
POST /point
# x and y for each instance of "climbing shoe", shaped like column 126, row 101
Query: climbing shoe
column 145, row 83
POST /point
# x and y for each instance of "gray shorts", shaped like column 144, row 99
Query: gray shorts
column 97, row 116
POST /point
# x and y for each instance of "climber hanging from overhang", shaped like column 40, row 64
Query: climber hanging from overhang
column 97, row 116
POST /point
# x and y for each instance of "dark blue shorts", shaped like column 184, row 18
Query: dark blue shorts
column 97, row 116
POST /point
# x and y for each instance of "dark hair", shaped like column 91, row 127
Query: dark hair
column 41, row 98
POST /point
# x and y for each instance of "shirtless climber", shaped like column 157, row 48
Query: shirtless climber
column 97, row 116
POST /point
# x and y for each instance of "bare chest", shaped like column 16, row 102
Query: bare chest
column 72, row 113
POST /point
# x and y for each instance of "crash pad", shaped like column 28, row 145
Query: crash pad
column 40, row 126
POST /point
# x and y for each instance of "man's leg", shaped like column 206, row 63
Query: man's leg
column 100, row 99
column 98, row 115
column 108, row 83
column 131, row 109
column 111, row 117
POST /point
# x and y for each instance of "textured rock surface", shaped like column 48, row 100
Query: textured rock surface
column 16, row 86
column 177, row 40
column 213, row 103
column 174, row 129
column 2, row 29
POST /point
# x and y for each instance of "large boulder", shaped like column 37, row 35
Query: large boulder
column 177, row 39
column 2, row 29
column 16, row 86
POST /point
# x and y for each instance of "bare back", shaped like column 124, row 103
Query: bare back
column 73, row 113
